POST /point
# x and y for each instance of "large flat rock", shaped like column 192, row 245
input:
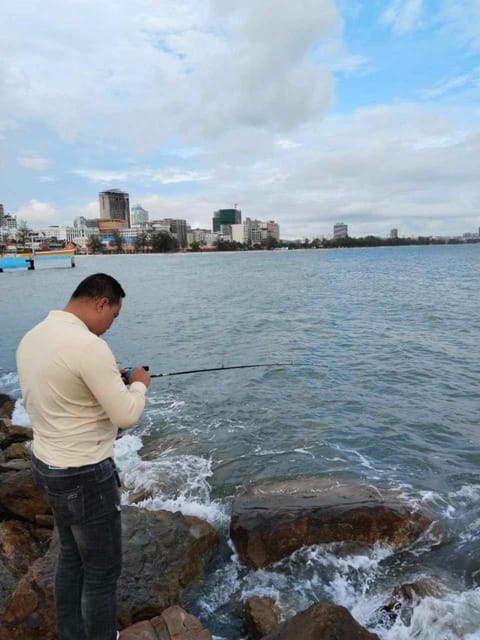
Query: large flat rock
column 271, row 520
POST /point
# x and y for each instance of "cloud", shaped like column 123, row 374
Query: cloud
column 461, row 20
column 37, row 213
column 458, row 82
column 32, row 161
column 404, row 15
column 188, row 70
column 163, row 176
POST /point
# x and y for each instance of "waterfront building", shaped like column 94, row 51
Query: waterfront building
column 139, row 215
column 340, row 230
column 226, row 216
column 9, row 223
column 175, row 227
column 89, row 223
column 394, row 234
column 2, row 214
column 160, row 225
column 273, row 230
column 115, row 205
column 198, row 235
column 242, row 232
column 211, row 238
column 255, row 231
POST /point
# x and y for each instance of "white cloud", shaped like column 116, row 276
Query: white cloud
column 151, row 72
column 175, row 176
column 163, row 176
column 32, row 161
column 37, row 213
column 461, row 20
column 404, row 15
column 451, row 84
column 106, row 176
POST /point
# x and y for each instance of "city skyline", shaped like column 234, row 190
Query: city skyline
column 308, row 114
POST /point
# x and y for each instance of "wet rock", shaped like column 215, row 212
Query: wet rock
column 14, row 465
column 17, row 451
column 153, row 446
column 271, row 520
column 404, row 597
column 173, row 624
column 171, row 550
column 322, row 621
column 261, row 616
column 20, row 497
column 7, row 405
column 10, row 433
column 163, row 553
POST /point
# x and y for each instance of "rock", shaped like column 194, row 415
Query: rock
column 409, row 594
column 173, row 624
column 271, row 520
column 13, row 433
column 171, row 549
column 7, row 405
column 322, row 621
column 261, row 616
column 17, row 451
column 19, row 548
column 29, row 613
column 44, row 520
column 163, row 552
column 20, row 497
column 14, row 465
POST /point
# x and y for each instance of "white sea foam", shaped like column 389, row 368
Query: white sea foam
column 465, row 496
column 9, row 383
column 19, row 415
column 221, row 584
column 453, row 617
column 171, row 482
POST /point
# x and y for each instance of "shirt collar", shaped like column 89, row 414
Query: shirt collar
column 66, row 316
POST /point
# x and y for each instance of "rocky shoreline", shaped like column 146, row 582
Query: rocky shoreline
column 165, row 554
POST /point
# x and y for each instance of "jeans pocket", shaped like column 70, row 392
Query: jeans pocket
column 101, row 498
column 68, row 506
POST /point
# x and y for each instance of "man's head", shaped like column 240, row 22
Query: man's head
column 97, row 302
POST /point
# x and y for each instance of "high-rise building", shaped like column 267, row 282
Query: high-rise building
column 139, row 215
column 340, row 230
column 273, row 230
column 2, row 214
column 115, row 205
column 226, row 216
column 176, row 227
column 394, row 234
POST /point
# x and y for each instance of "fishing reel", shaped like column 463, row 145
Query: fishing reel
column 127, row 374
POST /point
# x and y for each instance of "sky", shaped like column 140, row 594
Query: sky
column 307, row 112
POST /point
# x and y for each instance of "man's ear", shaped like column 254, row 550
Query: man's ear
column 101, row 303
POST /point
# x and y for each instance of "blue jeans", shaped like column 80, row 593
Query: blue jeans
column 86, row 507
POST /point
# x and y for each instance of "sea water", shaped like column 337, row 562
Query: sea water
column 384, row 387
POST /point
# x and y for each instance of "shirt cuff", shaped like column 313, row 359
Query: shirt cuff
column 138, row 386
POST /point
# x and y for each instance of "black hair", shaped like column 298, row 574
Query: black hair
column 100, row 285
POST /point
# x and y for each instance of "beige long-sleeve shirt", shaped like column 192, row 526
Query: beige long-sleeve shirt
column 73, row 392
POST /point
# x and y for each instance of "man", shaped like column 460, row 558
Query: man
column 77, row 399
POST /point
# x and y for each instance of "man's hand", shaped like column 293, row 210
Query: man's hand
column 138, row 375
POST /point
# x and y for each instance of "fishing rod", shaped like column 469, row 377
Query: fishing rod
column 129, row 371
